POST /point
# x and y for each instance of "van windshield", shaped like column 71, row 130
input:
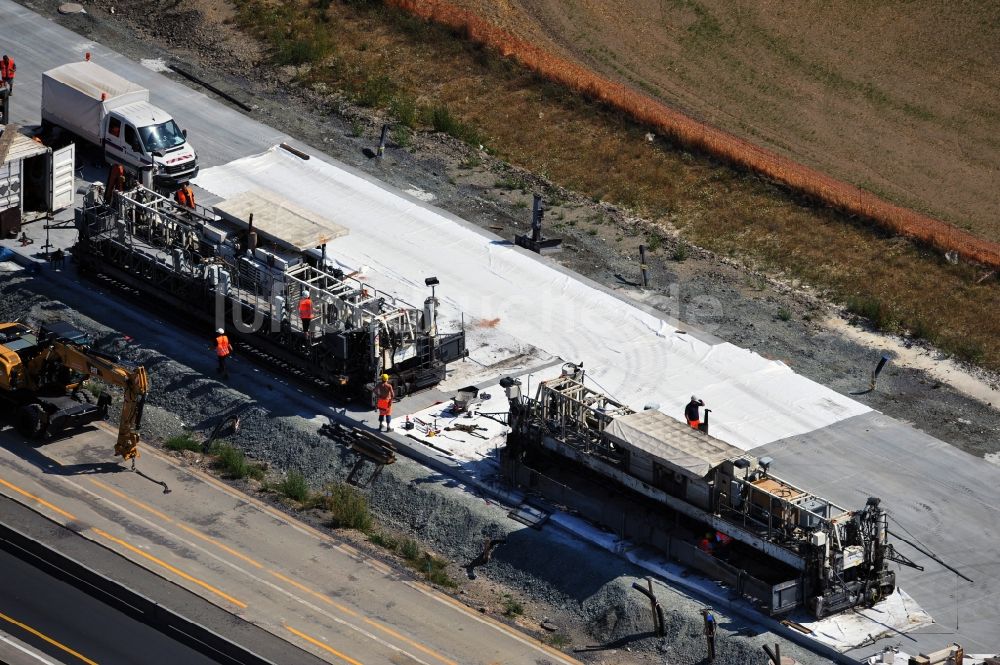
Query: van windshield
column 164, row 136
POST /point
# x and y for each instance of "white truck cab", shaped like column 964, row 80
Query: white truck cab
column 140, row 134
column 116, row 115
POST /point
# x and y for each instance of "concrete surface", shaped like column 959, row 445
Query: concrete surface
column 945, row 500
column 309, row 588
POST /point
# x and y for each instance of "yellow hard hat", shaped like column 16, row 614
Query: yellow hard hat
column 385, row 377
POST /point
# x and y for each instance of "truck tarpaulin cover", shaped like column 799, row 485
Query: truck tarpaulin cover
column 71, row 96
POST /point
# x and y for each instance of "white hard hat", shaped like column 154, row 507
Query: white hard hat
column 221, row 331
column 305, row 293
column 694, row 399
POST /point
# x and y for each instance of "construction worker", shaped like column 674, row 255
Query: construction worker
column 222, row 351
column 306, row 310
column 384, row 394
column 723, row 545
column 7, row 71
column 707, row 543
column 185, row 196
column 691, row 412
column 710, row 627
column 116, row 182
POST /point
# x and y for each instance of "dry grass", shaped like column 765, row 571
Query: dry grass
column 585, row 146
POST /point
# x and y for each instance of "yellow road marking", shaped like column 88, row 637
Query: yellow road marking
column 350, row 551
column 313, row 640
column 170, row 520
column 221, row 546
column 40, row 500
column 280, row 576
column 176, row 571
column 404, row 638
column 303, row 587
column 135, row 502
column 48, row 639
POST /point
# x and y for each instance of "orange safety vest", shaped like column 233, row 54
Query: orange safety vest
column 7, row 69
column 185, row 196
column 305, row 308
column 222, row 347
column 116, row 178
column 384, row 395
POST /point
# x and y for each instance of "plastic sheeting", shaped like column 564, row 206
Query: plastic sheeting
column 677, row 444
column 630, row 354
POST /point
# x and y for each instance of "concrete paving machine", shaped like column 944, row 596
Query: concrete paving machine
column 224, row 270
column 41, row 376
column 704, row 502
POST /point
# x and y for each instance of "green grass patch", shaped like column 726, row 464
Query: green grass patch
column 784, row 314
column 509, row 182
column 409, row 549
column 297, row 36
column 94, row 387
column 433, row 568
column 376, row 92
column 511, row 606
column 404, row 108
column 384, row 540
column 681, row 251
column 294, row 486
column 348, row 506
column 442, row 120
column 234, row 464
column 877, row 312
column 183, row 442
column 471, row 162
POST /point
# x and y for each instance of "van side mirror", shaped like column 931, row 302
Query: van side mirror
column 184, row 133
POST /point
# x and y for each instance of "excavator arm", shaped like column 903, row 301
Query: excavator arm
column 132, row 380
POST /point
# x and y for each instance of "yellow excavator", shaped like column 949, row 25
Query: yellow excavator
column 42, row 372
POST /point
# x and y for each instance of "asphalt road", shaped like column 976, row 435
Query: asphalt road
column 82, row 630
column 310, row 589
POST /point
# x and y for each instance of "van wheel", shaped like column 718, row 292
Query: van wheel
column 31, row 420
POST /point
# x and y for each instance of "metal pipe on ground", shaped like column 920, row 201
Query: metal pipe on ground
column 382, row 140
column 655, row 608
column 208, row 86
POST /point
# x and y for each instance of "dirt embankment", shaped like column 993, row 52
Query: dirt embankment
column 901, row 100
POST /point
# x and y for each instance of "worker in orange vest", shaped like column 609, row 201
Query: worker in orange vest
column 691, row 412
column 185, row 196
column 306, row 310
column 384, row 394
column 7, row 71
column 116, row 182
column 222, row 351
